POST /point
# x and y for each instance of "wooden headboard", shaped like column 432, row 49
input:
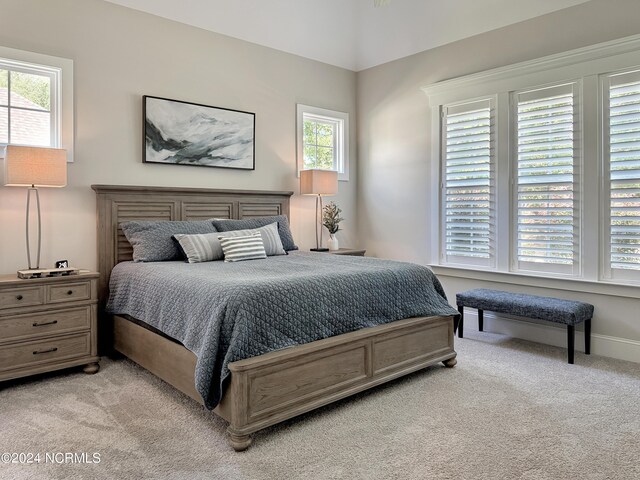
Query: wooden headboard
column 120, row 203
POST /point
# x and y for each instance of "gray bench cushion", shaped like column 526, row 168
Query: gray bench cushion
column 551, row 309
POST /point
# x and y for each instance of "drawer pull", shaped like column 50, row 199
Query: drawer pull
column 36, row 324
column 49, row 350
column 19, row 297
column 70, row 292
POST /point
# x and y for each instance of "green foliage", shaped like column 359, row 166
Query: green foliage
column 331, row 217
column 309, row 133
column 35, row 88
column 318, row 145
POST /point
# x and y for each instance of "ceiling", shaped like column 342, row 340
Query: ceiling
column 349, row 33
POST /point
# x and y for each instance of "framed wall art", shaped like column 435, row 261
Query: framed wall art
column 184, row 133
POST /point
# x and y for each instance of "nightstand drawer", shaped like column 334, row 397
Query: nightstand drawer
column 27, row 354
column 23, row 327
column 68, row 292
column 17, row 297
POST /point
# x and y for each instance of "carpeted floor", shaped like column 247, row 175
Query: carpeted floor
column 509, row 410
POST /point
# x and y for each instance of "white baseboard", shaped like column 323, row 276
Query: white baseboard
column 604, row 345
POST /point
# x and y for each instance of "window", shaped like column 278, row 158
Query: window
column 26, row 116
column 539, row 167
column 546, row 233
column 323, row 140
column 467, row 186
column 622, row 107
column 36, row 102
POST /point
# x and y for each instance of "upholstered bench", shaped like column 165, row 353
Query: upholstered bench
column 551, row 309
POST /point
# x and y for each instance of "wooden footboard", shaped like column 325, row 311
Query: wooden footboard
column 270, row 388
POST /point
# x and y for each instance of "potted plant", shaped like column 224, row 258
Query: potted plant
column 331, row 219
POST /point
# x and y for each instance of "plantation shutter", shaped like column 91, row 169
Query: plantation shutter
column 546, row 211
column 624, row 174
column 467, row 183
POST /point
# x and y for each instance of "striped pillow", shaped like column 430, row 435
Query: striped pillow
column 237, row 249
column 206, row 247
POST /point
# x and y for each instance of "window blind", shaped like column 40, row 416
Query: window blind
column 546, row 191
column 468, row 233
column 624, row 171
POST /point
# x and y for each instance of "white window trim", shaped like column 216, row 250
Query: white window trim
column 61, row 70
column 587, row 65
column 341, row 141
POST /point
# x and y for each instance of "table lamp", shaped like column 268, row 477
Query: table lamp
column 320, row 183
column 34, row 167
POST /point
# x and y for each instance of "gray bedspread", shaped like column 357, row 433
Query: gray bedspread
column 225, row 312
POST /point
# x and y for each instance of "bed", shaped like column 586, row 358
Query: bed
column 270, row 387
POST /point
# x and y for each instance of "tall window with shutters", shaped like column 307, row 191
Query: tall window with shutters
column 546, row 233
column 539, row 168
column 468, row 233
column 622, row 179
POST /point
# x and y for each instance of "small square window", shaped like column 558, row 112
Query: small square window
column 36, row 100
column 323, row 140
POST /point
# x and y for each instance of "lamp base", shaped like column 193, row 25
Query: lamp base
column 47, row 272
column 319, row 249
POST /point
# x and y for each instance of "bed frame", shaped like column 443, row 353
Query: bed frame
column 270, row 388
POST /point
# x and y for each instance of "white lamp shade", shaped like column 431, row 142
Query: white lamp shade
column 41, row 167
column 318, row 182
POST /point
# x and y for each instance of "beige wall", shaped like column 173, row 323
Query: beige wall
column 121, row 54
column 394, row 165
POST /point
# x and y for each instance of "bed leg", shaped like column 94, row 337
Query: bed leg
column 450, row 363
column 239, row 442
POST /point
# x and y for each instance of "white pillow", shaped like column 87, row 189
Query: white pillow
column 206, row 247
column 240, row 248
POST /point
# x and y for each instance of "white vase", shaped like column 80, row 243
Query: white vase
column 332, row 243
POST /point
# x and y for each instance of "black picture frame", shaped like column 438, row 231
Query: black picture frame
column 176, row 132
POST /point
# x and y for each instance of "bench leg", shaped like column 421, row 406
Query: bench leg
column 571, row 337
column 587, row 337
column 460, row 326
column 481, row 320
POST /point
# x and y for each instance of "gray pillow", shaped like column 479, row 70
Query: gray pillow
column 152, row 241
column 283, row 227
column 206, row 247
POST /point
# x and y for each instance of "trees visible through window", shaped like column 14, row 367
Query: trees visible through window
column 26, row 114
column 323, row 140
column 319, row 143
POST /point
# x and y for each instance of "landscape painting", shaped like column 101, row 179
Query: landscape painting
column 185, row 133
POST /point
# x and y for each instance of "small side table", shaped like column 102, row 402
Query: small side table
column 348, row 251
column 48, row 324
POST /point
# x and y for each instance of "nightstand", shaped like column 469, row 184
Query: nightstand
column 48, row 324
column 348, row 251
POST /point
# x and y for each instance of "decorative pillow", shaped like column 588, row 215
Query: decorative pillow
column 245, row 247
column 226, row 225
column 152, row 240
column 206, row 247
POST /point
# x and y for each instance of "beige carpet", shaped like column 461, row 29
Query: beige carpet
column 509, row 410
